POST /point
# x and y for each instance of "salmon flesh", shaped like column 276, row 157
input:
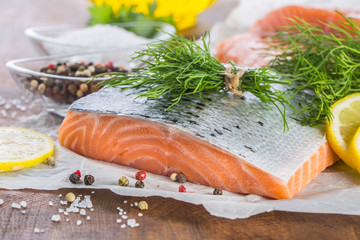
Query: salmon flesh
column 236, row 144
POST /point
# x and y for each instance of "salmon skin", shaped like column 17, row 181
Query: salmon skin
column 236, row 144
column 246, row 49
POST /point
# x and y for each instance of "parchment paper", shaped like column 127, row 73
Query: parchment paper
column 336, row 190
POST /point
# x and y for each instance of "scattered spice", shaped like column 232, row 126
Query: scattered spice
column 181, row 178
column 78, row 172
column 89, row 179
column 182, row 188
column 139, row 184
column 70, row 197
column 141, row 175
column 217, row 191
column 173, row 177
column 143, row 205
column 56, row 218
column 50, row 161
column 123, row 181
column 74, row 178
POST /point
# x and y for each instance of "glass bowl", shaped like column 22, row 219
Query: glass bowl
column 50, row 41
column 39, row 77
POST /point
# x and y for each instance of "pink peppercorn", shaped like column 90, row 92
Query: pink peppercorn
column 51, row 66
column 182, row 188
column 78, row 173
column 141, row 175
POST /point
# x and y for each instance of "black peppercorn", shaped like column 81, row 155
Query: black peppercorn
column 217, row 191
column 181, row 178
column 89, row 179
column 74, row 178
column 139, row 184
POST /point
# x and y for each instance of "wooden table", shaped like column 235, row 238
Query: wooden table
column 166, row 218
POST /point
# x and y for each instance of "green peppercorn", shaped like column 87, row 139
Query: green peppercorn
column 123, row 181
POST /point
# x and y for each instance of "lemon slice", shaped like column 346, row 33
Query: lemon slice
column 22, row 148
column 342, row 128
column 354, row 151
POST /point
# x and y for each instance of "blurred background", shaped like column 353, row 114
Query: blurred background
column 17, row 15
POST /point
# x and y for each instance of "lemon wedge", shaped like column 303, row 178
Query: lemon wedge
column 342, row 128
column 22, row 148
column 354, row 151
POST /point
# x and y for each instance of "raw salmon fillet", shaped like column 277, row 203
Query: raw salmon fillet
column 229, row 143
column 245, row 49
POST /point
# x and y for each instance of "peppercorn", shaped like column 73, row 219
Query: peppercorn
column 141, row 175
column 139, row 184
column 70, row 197
column 182, row 188
column 50, row 161
column 41, row 88
column 84, row 87
column 173, row 176
column 143, row 205
column 89, row 179
column 217, row 191
column 72, row 89
column 34, row 83
column 181, row 178
column 123, row 181
column 79, row 94
column 74, row 178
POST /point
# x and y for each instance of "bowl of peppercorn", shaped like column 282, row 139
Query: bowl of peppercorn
column 59, row 80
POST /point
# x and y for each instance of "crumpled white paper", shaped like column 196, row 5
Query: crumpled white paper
column 336, row 190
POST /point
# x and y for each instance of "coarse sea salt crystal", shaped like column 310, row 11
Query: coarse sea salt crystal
column 23, row 204
column 92, row 192
column 82, row 212
column 75, row 210
column 51, row 203
column 123, row 226
column 124, row 217
column 88, row 218
column 23, row 211
column 1, row 201
column 55, row 218
column 15, row 205
column 125, row 201
column 67, row 219
column 91, row 209
column 78, row 222
column 136, row 204
column 36, row 230
column 131, row 222
column 118, row 220
column 140, row 214
column 60, row 195
column 63, row 202
column 61, row 210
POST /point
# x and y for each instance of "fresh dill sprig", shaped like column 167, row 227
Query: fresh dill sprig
column 179, row 67
column 324, row 66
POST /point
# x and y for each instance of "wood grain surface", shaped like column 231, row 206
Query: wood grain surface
column 165, row 218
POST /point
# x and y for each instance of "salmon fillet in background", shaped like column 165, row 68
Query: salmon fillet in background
column 245, row 49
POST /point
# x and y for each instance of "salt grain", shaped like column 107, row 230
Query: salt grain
column 64, row 202
column 36, row 230
column 67, row 219
column 91, row 209
column 78, row 222
column 23, row 204
column 61, row 210
column 123, row 226
column 88, row 218
column 56, row 218
column 135, row 204
column 124, row 217
column 82, row 212
column 1, row 201
column 140, row 214
column 75, row 210
column 16, row 205
column 66, row 213
column 92, row 192
column 51, row 203
column 125, row 201
column 60, row 195
column 23, row 211
column 118, row 220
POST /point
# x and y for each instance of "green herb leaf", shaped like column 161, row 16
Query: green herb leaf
column 179, row 67
column 323, row 67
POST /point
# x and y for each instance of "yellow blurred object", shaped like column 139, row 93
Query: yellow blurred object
column 184, row 11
